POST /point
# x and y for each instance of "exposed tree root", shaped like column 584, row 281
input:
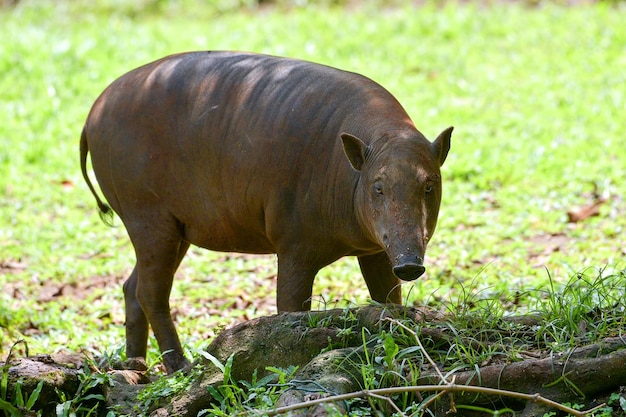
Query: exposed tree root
column 348, row 340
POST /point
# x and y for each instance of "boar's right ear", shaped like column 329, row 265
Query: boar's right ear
column 441, row 145
column 355, row 150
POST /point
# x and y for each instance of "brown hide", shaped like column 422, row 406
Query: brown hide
column 258, row 154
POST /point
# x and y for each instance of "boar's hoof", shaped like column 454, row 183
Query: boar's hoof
column 409, row 271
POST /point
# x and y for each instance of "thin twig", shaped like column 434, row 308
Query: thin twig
column 387, row 400
column 428, row 402
column 10, row 355
column 537, row 398
column 419, row 343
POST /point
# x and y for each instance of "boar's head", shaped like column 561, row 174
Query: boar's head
column 398, row 194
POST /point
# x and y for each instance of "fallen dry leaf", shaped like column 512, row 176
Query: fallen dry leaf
column 582, row 213
column 9, row 266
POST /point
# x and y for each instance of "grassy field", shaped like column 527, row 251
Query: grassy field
column 537, row 97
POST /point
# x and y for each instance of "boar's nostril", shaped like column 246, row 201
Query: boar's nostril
column 409, row 271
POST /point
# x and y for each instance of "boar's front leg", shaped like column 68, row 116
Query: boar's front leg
column 383, row 285
column 295, row 282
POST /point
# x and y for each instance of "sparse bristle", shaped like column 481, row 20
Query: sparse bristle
column 106, row 214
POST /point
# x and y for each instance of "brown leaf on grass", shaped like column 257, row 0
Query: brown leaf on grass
column 592, row 209
column 10, row 266
column 582, row 213
column 544, row 245
column 80, row 290
column 65, row 183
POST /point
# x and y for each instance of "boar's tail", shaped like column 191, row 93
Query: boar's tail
column 106, row 213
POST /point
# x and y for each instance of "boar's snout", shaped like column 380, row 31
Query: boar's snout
column 409, row 268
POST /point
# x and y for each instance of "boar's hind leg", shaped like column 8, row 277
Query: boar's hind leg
column 147, row 294
column 383, row 285
column 136, row 321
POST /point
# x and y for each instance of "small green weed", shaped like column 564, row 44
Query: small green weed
column 87, row 401
column 479, row 333
column 165, row 387
column 232, row 396
column 20, row 403
column 587, row 308
column 618, row 401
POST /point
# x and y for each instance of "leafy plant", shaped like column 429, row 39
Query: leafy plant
column 21, row 403
column 88, row 398
column 587, row 308
column 166, row 386
column 233, row 396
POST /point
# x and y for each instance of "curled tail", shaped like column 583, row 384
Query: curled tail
column 106, row 213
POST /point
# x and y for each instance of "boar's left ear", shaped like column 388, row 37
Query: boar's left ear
column 355, row 150
column 441, row 145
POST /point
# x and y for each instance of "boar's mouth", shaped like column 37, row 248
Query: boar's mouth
column 409, row 268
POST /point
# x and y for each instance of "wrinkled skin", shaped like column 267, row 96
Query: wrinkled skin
column 257, row 154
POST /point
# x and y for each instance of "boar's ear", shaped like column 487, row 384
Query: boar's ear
column 355, row 150
column 441, row 145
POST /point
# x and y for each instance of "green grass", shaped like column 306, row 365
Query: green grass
column 537, row 96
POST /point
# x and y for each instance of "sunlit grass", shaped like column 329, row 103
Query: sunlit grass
column 536, row 96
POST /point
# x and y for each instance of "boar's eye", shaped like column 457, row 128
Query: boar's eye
column 378, row 188
column 428, row 189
